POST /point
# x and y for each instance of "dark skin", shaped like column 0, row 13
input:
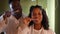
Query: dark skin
column 37, row 16
column 17, row 10
column 7, row 14
column 37, row 26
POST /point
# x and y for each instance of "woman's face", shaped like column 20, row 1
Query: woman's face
column 37, row 15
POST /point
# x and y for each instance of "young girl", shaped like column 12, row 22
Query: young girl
column 39, row 23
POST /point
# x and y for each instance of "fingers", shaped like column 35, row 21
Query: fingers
column 26, row 20
column 6, row 14
column 4, row 17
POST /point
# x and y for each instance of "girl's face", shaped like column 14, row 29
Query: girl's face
column 37, row 16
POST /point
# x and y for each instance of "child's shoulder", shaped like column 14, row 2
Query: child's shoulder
column 50, row 31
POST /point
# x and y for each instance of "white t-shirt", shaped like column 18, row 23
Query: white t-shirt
column 24, row 31
column 11, row 26
column 31, row 30
column 42, row 31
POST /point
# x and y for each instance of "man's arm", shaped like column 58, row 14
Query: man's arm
column 2, row 24
column 3, row 20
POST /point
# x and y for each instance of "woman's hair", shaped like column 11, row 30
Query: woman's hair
column 44, row 20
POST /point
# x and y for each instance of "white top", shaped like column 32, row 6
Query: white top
column 11, row 26
column 24, row 31
column 31, row 30
column 42, row 31
column 37, row 31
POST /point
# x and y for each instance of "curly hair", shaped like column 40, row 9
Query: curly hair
column 44, row 20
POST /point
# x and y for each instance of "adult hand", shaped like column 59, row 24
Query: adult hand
column 6, row 14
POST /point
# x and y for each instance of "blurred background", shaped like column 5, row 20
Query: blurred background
column 51, row 6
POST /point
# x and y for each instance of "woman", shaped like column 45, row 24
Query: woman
column 38, row 22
